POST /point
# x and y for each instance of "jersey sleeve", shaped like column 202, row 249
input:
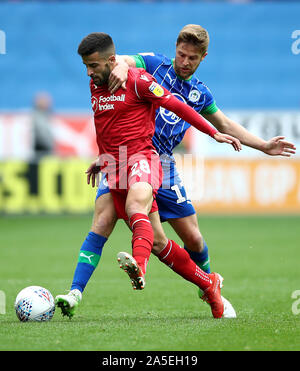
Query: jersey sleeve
column 148, row 61
column 209, row 110
column 148, row 89
column 139, row 61
column 210, row 106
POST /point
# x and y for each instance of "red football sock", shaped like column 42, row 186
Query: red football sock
column 142, row 239
column 179, row 260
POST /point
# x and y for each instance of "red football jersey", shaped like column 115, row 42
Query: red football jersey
column 126, row 118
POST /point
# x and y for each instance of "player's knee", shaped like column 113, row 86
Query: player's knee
column 103, row 224
column 157, row 247
column 135, row 207
column 159, row 243
column 194, row 241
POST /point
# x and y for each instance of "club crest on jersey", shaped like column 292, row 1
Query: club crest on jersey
column 194, row 95
column 94, row 104
column 156, row 89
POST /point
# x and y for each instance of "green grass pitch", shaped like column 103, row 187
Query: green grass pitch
column 258, row 257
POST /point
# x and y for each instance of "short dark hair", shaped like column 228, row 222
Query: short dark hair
column 96, row 42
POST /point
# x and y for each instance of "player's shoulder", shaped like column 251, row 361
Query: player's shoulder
column 157, row 56
column 153, row 60
column 136, row 74
column 200, row 85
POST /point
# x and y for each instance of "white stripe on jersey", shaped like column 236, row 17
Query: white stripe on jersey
column 192, row 87
column 182, row 120
column 170, row 89
column 157, row 68
column 162, row 81
column 135, row 88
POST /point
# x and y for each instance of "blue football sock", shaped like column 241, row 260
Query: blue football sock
column 89, row 256
column 200, row 258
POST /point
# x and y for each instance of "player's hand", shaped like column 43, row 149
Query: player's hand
column 93, row 173
column 277, row 146
column 225, row 138
column 118, row 77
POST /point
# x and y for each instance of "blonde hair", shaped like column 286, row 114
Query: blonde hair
column 196, row 35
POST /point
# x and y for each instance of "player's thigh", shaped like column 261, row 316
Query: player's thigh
column 187, row 229
column 160, row 239
column 105, row 216
column 174, row 203
column 139, row 198
column 176, row 208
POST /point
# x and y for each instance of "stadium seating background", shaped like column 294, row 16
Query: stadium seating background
column 250, row 62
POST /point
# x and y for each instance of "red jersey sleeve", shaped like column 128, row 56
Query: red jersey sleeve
column 148, row 89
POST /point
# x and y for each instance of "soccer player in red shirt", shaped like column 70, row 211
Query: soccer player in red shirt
column 125, row 125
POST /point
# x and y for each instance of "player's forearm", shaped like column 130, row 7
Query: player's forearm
column 238, row 131
column 227, row 126
column 189, row 115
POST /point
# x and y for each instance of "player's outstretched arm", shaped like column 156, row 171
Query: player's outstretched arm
column 119, row 74
column 276, row 146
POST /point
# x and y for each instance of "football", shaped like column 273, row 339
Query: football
column 34, row 303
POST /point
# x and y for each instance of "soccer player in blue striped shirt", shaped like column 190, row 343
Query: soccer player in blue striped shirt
column 177, row 75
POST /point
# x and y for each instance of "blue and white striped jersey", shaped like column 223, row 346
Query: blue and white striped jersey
column 169, row 128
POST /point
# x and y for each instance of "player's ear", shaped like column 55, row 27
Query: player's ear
column 112, row 60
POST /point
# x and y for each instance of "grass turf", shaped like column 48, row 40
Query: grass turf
column 257, row 256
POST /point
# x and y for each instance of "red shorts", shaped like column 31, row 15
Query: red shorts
column 119, row 197
column 142, row 167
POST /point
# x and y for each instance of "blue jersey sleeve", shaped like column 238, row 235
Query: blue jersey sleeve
column 209, row 106
column 149, row 61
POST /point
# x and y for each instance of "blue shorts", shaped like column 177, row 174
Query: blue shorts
column 103, row 187
column 171, row 197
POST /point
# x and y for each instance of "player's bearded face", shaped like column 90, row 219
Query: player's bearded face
column 101, row 77
column 187, row 60
column 98, row 68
